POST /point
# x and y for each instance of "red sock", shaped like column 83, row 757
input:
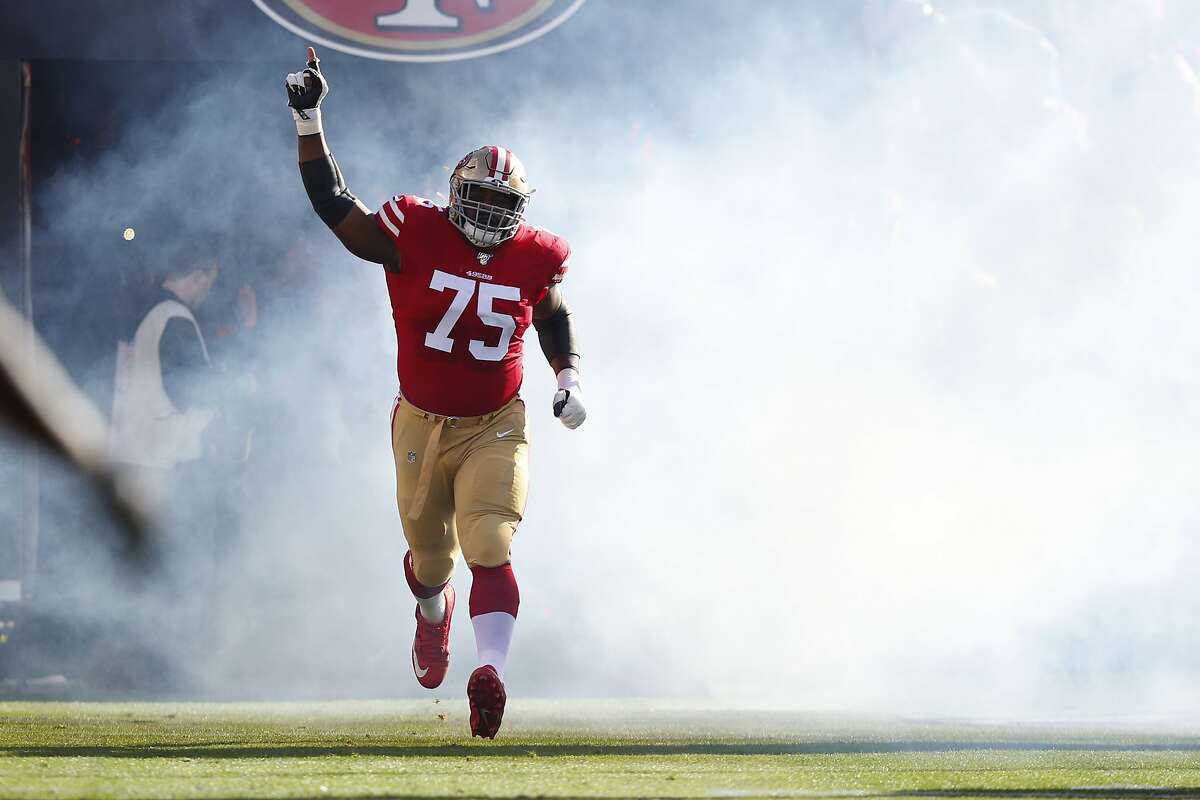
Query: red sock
column 494, row 589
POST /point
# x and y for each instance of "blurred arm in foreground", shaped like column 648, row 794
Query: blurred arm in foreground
column 38, row 399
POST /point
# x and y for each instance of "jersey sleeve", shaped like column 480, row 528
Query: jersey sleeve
column 391, row 217
column 560, row 264
column 558, row 258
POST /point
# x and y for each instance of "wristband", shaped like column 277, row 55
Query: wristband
column 568, row 379
column 308, row 121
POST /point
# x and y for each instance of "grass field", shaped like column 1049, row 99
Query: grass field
column 601, row 749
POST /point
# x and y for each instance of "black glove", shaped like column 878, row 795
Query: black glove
column 306, row 89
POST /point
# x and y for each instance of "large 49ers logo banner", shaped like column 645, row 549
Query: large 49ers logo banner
column 420, row 30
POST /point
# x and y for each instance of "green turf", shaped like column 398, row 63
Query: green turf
column 420, row 749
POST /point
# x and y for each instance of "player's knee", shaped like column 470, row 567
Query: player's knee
column 432, row 569
column 487, row 540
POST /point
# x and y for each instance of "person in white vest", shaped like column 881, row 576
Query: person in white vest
column 160, row 413
column 164, row 416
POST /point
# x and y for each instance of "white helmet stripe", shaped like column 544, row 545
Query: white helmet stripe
column 501, row 161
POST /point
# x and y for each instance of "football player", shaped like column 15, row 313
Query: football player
column 465, row 281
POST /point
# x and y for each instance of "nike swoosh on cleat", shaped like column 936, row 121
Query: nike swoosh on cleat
column 421, row 673
column 502, row 434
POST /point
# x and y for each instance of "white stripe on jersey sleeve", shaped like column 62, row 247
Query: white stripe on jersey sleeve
column 390, row 206
column 396, row 208
column 387, row 223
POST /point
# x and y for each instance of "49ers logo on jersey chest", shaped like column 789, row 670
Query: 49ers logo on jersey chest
column 420, row 30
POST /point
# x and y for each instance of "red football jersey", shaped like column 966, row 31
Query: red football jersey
column 461, row 312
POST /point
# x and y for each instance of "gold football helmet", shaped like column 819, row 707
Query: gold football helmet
column 488, row 194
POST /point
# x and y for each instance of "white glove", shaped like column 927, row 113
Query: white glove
column 568, row 404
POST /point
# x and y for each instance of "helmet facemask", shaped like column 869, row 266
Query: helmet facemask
column 487, row 212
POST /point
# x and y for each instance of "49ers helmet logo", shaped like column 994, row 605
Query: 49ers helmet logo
column 420, row 30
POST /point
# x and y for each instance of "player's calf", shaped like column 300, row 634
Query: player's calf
column 494, row 602
column 431, row 644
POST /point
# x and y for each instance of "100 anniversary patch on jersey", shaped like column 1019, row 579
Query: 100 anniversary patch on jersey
column 420, row 30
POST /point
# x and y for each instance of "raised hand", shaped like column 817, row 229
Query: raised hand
column 306, row 89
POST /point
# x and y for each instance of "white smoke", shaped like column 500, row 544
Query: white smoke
column 886, row 354
column 889, row 399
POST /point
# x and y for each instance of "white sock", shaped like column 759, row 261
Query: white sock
column 433, row 609
column 493, row 635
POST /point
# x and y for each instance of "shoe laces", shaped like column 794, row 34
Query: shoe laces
column 431, row 637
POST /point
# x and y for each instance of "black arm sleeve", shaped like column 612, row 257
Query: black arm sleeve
column 556, row 334
column 327, row 190
column 183, row 365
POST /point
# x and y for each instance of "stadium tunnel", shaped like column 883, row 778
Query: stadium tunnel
column 68, row 65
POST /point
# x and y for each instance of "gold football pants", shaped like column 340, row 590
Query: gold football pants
column 460, row 482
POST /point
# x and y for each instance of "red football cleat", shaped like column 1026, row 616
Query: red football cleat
column 485, row 691
column 431, row 647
